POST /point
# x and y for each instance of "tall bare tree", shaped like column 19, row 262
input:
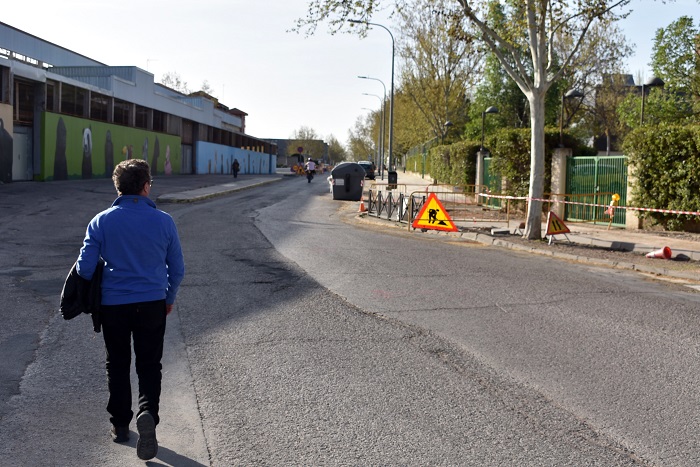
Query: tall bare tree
column 173, row 80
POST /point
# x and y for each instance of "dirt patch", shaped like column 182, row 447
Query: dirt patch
column 677, row 263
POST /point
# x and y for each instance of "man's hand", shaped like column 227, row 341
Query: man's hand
column 168, row 309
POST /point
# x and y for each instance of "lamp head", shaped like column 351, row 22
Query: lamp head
column 573, row 93
column 491, row 110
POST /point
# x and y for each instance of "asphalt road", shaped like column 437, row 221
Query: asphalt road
column 302, row 337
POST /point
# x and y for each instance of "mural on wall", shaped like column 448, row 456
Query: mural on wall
column 74, row 147
column 217, row 159
column 5, row 143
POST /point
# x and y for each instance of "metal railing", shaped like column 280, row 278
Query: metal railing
column 466, row 207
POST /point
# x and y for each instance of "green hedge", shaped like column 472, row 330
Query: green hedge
column 454, row 164
column 665, row 162
column 510, row 148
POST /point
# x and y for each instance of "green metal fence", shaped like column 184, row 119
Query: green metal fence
column 494, row 184
column 594, row 180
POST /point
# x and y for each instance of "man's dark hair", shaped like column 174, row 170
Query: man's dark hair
column 130, row 176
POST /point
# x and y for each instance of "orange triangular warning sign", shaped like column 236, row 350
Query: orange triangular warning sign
column 556, row 226
column 434, row 216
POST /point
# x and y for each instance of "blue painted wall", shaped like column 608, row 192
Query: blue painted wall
column 217, row 159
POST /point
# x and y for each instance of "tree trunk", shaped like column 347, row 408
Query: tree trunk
column 533, row 224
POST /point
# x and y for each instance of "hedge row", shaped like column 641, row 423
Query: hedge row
column 510, row 148
column 665, row 161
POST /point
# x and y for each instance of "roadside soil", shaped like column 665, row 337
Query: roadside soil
column 678, row 262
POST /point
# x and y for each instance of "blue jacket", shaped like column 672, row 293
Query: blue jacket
column 141, row 250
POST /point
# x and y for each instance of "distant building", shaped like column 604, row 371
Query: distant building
column 288, row 151
column 64, row 115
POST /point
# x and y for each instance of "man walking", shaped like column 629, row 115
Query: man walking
column 143, row 270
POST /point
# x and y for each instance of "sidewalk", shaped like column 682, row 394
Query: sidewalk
column 638, row 241
column 212, row 191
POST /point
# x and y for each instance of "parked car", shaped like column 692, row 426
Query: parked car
column 369, row 169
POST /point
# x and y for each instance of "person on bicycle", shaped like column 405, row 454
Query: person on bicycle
column 310, row 166
column 310, row 169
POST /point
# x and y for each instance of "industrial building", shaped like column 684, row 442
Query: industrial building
column 66, row 116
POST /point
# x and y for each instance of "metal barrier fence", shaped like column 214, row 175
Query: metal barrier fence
column 466, row 206
column 463, row 203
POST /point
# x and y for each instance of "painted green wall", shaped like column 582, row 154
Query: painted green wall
column 74, row 147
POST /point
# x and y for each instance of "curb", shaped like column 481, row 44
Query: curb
column 201, row 194
column 486, row 239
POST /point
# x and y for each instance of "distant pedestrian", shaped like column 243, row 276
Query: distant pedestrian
column 235, row 168
column 143, row 270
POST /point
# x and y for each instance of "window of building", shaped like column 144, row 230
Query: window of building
column 73, row 100
column 99, row 107
column 121, row 112
column 175, row 125
column 4, row 79
column 159, row 121
column 50, row 96
column 141, row 117
column 24, row 102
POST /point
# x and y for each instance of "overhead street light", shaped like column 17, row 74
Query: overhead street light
column 391, row 106
column 381, row 128
column 573, row 93
column 376, row 157
column 490, row 110
column 650, row 83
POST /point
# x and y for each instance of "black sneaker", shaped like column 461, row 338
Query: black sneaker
column 120, row 434
column 147, row 445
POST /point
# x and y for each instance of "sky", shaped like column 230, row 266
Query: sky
column 244, row 50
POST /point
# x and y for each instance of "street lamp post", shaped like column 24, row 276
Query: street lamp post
column 381, row 127
column 379, row 137
column 651, row 82
column 490, row 110
column 380, row 160
column 391, row 105
column 568, row 95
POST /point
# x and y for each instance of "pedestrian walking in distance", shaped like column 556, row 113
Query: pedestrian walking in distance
column 235, row 167
column 143, row 270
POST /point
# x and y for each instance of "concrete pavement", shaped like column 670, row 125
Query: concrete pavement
column 636, row 241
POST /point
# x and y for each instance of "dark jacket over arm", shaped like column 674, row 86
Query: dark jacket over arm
column 82, row 296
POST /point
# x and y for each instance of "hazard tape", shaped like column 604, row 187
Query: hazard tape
column 525, row 198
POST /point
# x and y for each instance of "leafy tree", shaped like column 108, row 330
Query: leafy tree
column 602, row 117
column 360, row 143
column 336, row 151
column 676, row 60
column 596, row 72
column 307, row 138
column 440, row 62
column 532, row 29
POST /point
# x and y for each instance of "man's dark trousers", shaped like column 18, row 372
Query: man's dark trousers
column 146, row 322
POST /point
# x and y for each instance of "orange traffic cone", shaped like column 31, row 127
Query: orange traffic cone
column 664, row 253
column 362, row 206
